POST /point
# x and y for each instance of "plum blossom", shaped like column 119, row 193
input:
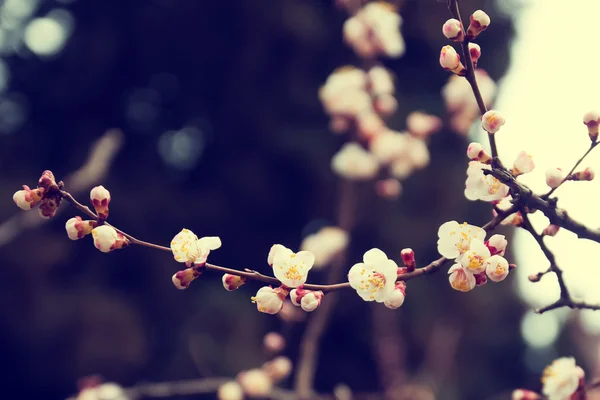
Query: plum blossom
column 480, row 186
column 592, row 119
column 504, row 205
column 497, row 244
column 461, row 279
column 77, row 228
column 278, row 368
column 230, row 391
column 555, row 177
column 561, row 379
column 100, row 198
column 311, row 300
column 290, row 268
column 476, row 152
column 28, row 198
column 474, row 53
column 182, row 279
column 344, row 92
column 396, row 298
column 274, row 342
column 389, row 146
column 255, row 382
column 269, row 300
column 496, row 268
column 454, row 239
column 522, row 394
column 453, row 30
column 188, row 249
column 474, row 259
column 422, row 125
column 354, row 163
column 233, row 282
column 479, row 21
column 375, row 278
column 326, row 244
column 491, row 121
column 587, row 174
column 106, row 238
column 450, row 60
column 523, row 164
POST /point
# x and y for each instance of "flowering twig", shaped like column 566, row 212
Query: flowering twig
column 589, row 150
column 565, row 299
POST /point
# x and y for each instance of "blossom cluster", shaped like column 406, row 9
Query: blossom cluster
column 46, row 195
column 476, row 259
column 561, row 380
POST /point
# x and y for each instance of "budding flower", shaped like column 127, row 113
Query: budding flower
column 76, row 228
column 278, row 369
column 476, row 152
column 554, row 177
column 453, row 30
column 408, row 258
column 233, row 282
column 182, row 279
column 587, row 174
column 311, row 300
column 230, row 391
column 523, row 164
column 450, row 60
column 422, row 125
column 274, row 342
column 491, row 121
column 474, row 53
column 47, row 179
column 269, row 300
column 27, row 198
column 106, row 239
column 188, row 249
column 255, row 382
column 479, row 21
column 396, row 298
column 551, row 230
column 497, row 244
column 496, row 268
column 591, row 119
column 49, row 205
column 100, row 198
column 460, row 279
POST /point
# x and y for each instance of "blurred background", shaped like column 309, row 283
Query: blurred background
column 223, row 133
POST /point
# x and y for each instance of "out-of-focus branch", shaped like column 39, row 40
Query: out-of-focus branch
column 92, row 172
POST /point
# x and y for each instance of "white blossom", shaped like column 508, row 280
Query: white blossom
column 105, row 238
column 274, row 342
column 326, row 244
column 554, row 177
column 255, row 382
column 188, row 249
column 292, row 268
column 375, row 278
column 311, row 300
column 269, row 300
column 496, row 268
column 396, row 298
column 454, row 239
column 355, row 163
column 105, row 391
column 480, row 186
column 380, row 81
column 100, row 198
column 461, row 279
column 453, row 30
column 449, row 58
column 497, row 244
column 474, row 259
column 491, row 121
column 561, row 379
column 77, row 228
column 27, row 198
column 230, row 391
column 523, row 164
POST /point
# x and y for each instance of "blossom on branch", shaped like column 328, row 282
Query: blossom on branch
column 255, row 382
column 396, row 298
column 28, row 198
column 182, row 279
column 453, row 30
column 188, row 249
column 555, row 177
column 77, row 228
column 592, row 119
column 450, row 60
column 107, row 239
column 100, row 198
column 474, row 259
column 326, row 244
column 422, row 125
column 103, row 391
column 587, row 174
column 474, row 53
column 311, row 300
column 278, row 368
column 496, row 268
column 476, row 152
column 561, row 379
column 522, row 394
column 523, row 164
column 374, row 279
column 233, row 282
column 454, row 239
column 461, row 279
column 354, row 163
column 269, row 300
column 504, row 205
column 290, row 268
column 497, row 244
column 230, row 391
column 481, row 186
column 479, row 21
column 491, row 121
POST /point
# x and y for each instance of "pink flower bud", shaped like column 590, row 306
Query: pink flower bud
column 269, row 300
column 497, row 245
column 278, row 369
column 522, row 394
column 230, row 391
column 100, row 198
column 496, row 268
column 311, row 300
column 27, row 198
column 474, row 53
column 453, row 30
column 491, row 121
column 233, row 282
column 587, row 174
column 388, row 188
column 591, row 119
column 76, row 228
column 408, row 258
column 46, row 180
column 476, row 152
column 479, row 21
column 274, row 342
column 49, row 205
column 255, row 382
column 551, row 230
column 106, row 238
column 554, row 177
column 450, row 60
column 422, row 125
column 182, row 279
column 534, row 277
column 396, row 298
column 523, row 164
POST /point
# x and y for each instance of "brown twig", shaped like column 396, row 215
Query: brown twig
column 589, row 150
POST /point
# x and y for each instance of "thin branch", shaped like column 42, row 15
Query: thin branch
column 470, row 73
column 589, row 150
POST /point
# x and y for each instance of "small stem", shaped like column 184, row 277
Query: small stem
column 589, row 150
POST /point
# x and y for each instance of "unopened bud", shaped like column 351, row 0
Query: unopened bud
column 77, row 228
column 551, row 230
column 106, row 239
column 591, row 119
column 535, row 277
column 274, row 342
column 474, row 53
column 47, row 179
column 233, row 282
column 587, row 174
column 450, row 60
column 476, row 152
column 497, row 245
column 269, row 300
column 49, row 205
column 554, row 177
column 408, row 258
column 182, row 279
column 396, row 298
column 100, row 198
column 479, row 21
column 453, row 30
column 311, row 300
column 230, row 391
column 512, row 266
column 523, row 164
column 278, row 369
column 491, row 121
column 27, row 198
